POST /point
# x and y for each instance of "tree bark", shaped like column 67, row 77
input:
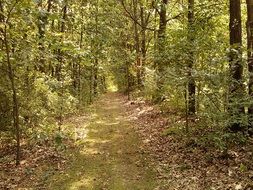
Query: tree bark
column 1, row 21
column 42, row 23
column 144, row 23
column 60, row 53
column 58, row 71
column 91, row 85
column 191, row 80
column 42, row 18
column 235, row 108
column 96, row 61
column 159, row 60
column 250, row 59
column 137, row 46
column 79, row 87
column 95, row 81
column 15, row 110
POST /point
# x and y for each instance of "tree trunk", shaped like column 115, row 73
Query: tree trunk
column 96, row 61
column 143, row 43
column 128, row 81
column 58, row 71
column 159, row 60
column 49, row 5
column 60, row 53
column 15, row 110
column 137, row 46
column 1, row 21
column 42, row 18
column 95, row 72
column 155, row 34
column 79, row 88
column 91, row 85
column 191, row 80
column 235, row 108
column 250, row 59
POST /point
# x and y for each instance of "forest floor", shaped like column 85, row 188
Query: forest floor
column 130, row 145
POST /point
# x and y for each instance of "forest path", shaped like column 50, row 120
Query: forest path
column 110, row 156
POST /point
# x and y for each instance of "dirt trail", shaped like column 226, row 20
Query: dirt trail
column 110, row 157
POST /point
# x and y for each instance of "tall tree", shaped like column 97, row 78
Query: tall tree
column 191, row 81
column 42, row 22
column 250, row 57
column 137, row 43
column 59, row 66
column 96, row 51
column 161, row 44
column 236, row 109
column 140, row 16
column 11, row 76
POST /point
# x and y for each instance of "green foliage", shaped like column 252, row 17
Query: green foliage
column 176, row 129
column 243, row 168
column 52, row 57
column 222, row 140
column 59, row 141
column 63, row 55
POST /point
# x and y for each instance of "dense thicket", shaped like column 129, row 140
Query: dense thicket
column 56, row 57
